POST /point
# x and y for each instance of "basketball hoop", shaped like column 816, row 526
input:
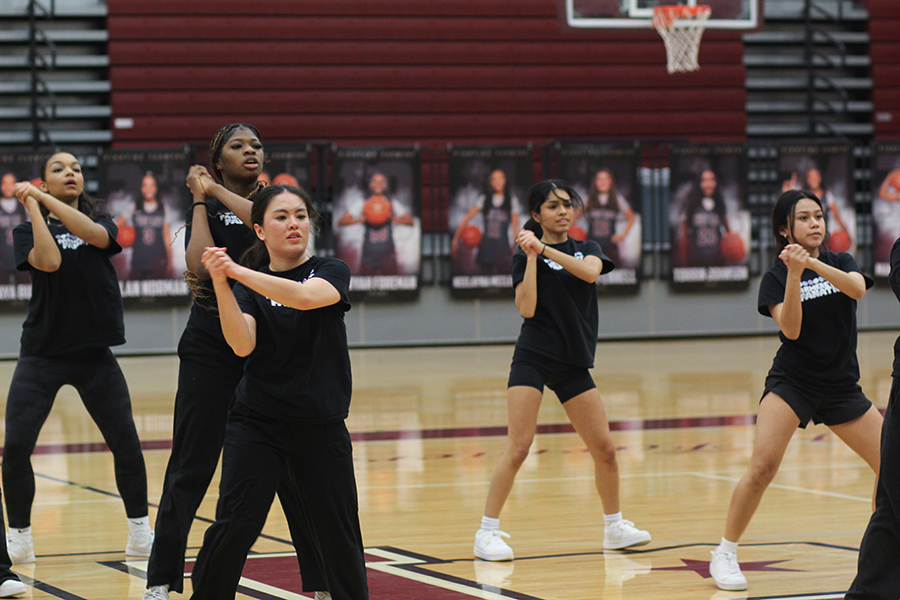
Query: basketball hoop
column 681, row 28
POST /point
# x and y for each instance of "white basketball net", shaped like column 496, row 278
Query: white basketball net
column 681, row 28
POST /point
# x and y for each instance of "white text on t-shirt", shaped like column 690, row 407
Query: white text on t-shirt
column 229, row 218
column 816, row 288
column 555, row 265
column 67, row 241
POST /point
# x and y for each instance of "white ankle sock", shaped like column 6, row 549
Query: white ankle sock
column 726, row 546
column 489, row 523
column 23, row 532
column 612, row 519
column 139, row 524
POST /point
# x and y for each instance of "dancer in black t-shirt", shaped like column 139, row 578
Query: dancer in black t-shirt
column 286, row 315
column 811, row 294
column 74, row 316
column 554, row 278
column 878, row 577
column 208, row 369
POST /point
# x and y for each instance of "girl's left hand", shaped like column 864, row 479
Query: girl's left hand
column 529, row 242
column 794, row 255
column 217, row 262
column 25, row 190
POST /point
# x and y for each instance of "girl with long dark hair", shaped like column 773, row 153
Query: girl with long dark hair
column 286, row 315
column 555, row 278
column 811, row 294
column 74, row 316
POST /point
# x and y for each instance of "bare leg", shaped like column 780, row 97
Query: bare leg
column 775, row 425
column 523, row 403
column 588, row 416
column 863, row 436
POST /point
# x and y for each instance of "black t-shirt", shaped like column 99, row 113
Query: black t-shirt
column 824, row 355
column 228, row 232
column 78, row 306
column 565, row 322
column 300, row 368
column 895, row 285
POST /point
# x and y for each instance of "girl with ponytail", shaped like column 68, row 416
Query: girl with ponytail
column 209, row 371
column 287, row 422
column 554, row 277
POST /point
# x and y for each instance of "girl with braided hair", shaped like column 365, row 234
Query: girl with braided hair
column 209, row 371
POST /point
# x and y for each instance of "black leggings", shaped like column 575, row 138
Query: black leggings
column 878, row 575
column 207, row 375
column 99, row 381
column 259, row 453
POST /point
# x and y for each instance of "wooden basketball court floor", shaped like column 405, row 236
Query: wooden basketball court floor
column 429, row 425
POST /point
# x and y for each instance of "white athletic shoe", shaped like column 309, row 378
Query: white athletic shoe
column 20, row 548
column 11, row 588
column 140, row 542
column 726, row 571
column 623, row 534
column 323, row 596
column 157, row 592
column 489, row 545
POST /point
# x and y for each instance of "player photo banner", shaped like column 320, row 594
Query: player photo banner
column 487, row 187
column 376, row 213
column 823, row 170
column 606, row 178
column 709, row 217
column 146, row 195
column 15, row 285
column 885, row 204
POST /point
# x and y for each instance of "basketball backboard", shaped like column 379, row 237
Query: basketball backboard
column 638, row 14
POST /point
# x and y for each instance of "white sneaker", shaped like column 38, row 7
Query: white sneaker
column 20, row 548
column 726, row 571
column 623, row 534
column 140, row 542
column 322, row 596
column 157, row 592
column 11, row 588
column 489, row 545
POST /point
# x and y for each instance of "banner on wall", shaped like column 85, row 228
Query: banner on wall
column 606, row 178
column 824, row 170
column 376, row 219
column 885, row 204
column 15, row 285
column 146, row 195
column 709, row 217
column 487, row 187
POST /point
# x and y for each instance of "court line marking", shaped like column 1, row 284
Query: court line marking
column 791, row 488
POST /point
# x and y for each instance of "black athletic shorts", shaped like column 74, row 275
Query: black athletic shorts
column 831, row 406
column 533, row 370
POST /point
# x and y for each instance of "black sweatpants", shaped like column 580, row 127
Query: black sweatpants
column 318, row 458
column 96, row 376
column 878, row 573
column 208, row 373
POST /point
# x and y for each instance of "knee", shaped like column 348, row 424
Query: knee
column 604, row 453
column 762, row 472
column 517, row 452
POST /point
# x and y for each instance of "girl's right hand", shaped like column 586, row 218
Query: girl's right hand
column 529, row 243
column 194, row 180
column 217, row 262
column 795, row 257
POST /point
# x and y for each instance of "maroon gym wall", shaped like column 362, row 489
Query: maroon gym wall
column 380, row 72
column 884, row 49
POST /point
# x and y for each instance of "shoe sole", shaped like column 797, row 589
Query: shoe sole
column 25, row 561
column 627, row 544
column 731, row 587
column 133, row 552
column 15, row 591
column 489, row 558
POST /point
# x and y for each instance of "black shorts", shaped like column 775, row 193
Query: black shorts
column 533, row 370
column 831, row 406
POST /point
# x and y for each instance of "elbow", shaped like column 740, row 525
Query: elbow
column 791, row 334
column 858, row 294
column 49, row 266
column 242, row 350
